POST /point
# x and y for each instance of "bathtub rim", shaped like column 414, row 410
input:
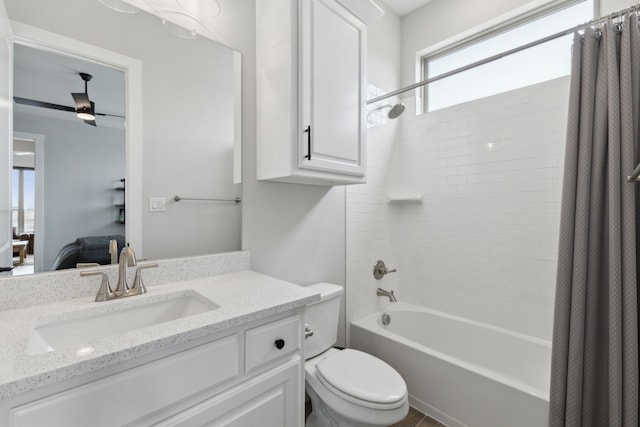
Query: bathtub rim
column 373, row 319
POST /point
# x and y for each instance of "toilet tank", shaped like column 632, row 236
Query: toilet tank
column 322, row 318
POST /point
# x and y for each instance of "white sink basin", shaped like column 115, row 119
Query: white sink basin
column 77, row 329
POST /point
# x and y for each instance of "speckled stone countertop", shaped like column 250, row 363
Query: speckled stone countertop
column 243, row 297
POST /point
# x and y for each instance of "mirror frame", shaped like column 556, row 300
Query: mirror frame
column 38, row 38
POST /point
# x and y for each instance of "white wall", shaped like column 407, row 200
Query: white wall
column 483, row 245
column 82, row 166
column 384, row 53
column 609, row 6
column 187, row 125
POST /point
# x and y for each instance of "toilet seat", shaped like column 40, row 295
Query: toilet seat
column 362, row 379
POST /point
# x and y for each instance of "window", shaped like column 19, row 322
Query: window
column 23, row 204
column 534, row 65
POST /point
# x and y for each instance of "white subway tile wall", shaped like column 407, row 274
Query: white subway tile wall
column 483, row 244
column 375, row 117
column 373, row 226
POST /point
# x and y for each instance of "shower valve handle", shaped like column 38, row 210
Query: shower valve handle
column 379, row 270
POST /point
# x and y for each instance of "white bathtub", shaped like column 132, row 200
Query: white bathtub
column 461, row 372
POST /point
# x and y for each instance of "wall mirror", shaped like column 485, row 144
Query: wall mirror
column 172, row 128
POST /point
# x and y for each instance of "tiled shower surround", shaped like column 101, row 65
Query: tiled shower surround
column 483, row 243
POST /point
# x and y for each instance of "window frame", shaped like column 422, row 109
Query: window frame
column 455, row 44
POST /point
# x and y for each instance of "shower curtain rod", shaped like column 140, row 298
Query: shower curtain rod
column 568, row 31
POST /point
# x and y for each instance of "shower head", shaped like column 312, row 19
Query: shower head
column 394, row 112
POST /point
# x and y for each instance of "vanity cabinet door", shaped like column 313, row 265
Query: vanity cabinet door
column 272, row 399
column 333, row 47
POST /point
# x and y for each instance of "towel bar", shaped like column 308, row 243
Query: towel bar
column 236, row 200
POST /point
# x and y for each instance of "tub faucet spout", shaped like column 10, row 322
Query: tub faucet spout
column 382, row 293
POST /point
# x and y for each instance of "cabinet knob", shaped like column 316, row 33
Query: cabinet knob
column 279, row 343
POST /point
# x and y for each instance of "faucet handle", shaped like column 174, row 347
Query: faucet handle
column 379, row 270
column 104, row 293
column 138, row 286
column 113, row 250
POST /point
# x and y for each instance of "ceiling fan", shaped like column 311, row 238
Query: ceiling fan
column 84, row 109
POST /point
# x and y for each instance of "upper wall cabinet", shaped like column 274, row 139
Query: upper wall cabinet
column 310, row 90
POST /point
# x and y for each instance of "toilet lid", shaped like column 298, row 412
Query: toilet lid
column 363, row 376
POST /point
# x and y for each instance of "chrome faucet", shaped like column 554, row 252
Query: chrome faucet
column 382, row 293
column 127, row 259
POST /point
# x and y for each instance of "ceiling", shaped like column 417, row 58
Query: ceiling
column 405, row 7
column 50, row 77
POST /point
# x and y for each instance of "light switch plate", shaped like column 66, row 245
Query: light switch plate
column 157, row 204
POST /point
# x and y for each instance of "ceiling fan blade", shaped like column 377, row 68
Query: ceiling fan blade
column 109, row 115
column 81, row 100
column 42, row 104
column 90, row 122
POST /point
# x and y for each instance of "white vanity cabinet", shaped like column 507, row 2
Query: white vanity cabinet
column 246, row 376
column 311, row 90
column 265, row 401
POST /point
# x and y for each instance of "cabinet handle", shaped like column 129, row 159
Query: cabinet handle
column 308, row 132
column 279, row 343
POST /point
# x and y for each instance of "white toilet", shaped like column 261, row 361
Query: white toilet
column 348, row 387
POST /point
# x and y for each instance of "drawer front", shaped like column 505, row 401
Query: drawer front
column 272, row 341
column 129, row 395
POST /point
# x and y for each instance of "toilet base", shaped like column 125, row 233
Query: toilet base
column 321, row 417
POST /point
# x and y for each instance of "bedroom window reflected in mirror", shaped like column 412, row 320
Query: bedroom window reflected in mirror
column 23, row 203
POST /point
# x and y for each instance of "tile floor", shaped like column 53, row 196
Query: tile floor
column 416, row 418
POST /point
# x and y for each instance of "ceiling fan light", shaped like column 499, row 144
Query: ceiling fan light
column 85, row 113
column 86, row 116
column 120, row 6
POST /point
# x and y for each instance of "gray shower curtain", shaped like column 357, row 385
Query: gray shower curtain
column 594, row 372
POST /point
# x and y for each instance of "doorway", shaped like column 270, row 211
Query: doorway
column 23, row 203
